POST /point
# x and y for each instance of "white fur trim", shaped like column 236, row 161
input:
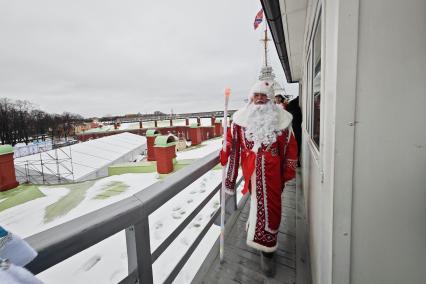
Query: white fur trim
column 240, row 117
column 243, row 139
column 253, row 210
column 260, row 247
column 229, row 191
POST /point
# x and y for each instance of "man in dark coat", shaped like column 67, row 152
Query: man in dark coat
column 294, row 108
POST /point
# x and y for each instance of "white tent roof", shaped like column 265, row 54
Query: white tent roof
column 87, row 157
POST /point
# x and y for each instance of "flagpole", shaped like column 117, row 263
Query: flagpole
column 222, row 192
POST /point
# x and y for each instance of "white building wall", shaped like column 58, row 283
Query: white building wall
column 366, row 188
column 312, row 190
column 389, row 195
column 318, row 166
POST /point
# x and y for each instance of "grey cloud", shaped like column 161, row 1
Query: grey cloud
column 95, row 57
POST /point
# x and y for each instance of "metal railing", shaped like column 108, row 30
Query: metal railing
column 131, row 214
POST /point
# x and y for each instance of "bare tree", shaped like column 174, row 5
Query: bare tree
column 20, row 122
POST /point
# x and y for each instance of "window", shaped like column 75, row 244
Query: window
column 308, row 92
column 316, row 85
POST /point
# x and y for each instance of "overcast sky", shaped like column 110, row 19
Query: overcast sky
column 99, row 57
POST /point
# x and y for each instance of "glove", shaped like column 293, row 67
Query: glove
column 223, row 157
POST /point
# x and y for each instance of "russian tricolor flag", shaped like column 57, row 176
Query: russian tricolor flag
column 258, row 19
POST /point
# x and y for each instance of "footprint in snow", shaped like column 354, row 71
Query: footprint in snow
column 197, row 222
column 177, row 208
column 158, row 225
column 178, row 214
column 91, row 262
column 157, row 232
column 193, row 191
column 196, row 225
column 203, row 187
column 117, row 275
column 190, row 200
column 216, row 204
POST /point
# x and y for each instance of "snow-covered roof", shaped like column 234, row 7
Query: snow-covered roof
column 87, row 157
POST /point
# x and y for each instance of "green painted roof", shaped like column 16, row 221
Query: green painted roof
column 6, row 149
column 152, row 132
column 164, row 141
column 193, row 125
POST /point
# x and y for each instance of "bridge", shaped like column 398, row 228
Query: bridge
column 154, row 117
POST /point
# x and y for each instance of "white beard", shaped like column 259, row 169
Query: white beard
column 262, row 124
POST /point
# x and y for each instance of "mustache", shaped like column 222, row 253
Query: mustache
column 262, row 108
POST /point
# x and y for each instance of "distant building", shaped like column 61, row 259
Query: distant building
column 132, row 115
column 81, row 127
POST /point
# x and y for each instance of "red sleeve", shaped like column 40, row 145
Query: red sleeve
column 290, row 157
column 232, row 154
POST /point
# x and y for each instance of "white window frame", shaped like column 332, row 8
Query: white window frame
column 309, row 90
column 314, row 32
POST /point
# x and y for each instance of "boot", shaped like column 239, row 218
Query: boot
column 267, row 263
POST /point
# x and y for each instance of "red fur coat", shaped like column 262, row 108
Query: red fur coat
column 265, row 174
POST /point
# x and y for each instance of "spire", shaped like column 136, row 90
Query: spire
column 265, row 44
column 266, row 73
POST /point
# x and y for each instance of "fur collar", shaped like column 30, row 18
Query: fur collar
column 284, row 118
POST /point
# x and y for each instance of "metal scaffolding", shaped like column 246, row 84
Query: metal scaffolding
column 52, row 167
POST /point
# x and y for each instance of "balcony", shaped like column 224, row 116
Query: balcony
column 242, row 264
